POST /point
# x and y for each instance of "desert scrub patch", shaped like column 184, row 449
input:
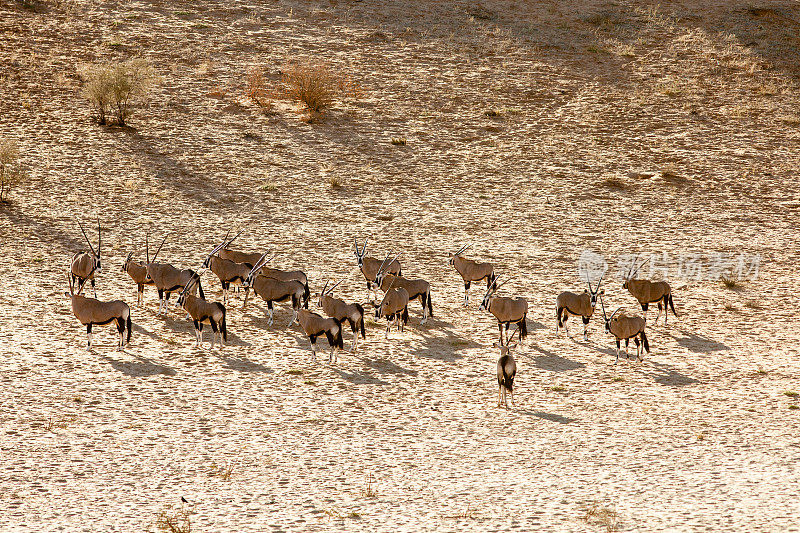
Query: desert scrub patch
column 558, row 388
column 256, row 89
column 172, row 520
column 602, row 515
column 114, row 88
column 11, row 171
column 731, row 282
column 315, row 85
column 399, row 141
column 294, row 372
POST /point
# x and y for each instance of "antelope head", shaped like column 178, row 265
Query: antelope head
column 633, row 271
column 487, row 299
column 72, row 292
column 360, row 254
column 248, row 281
column 596, row 292
column 459, row 252
column 608, row 319
column 188, row 289
column 327, row 292
column 506, row 348
column 384, row 267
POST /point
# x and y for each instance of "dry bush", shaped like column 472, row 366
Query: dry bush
column 113, row 88
column 224, row 472
column 316, row 86
column 11, row 173
column 257, row 88
column 602, row 515
column 174, row 521
column 730, row 282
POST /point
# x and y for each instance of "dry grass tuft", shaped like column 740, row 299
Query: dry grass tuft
column 671, row 176
column 753, row 304
column 11, row 173
column 730, row 282
column 616, row 183
column 791, row 394
column 224, row 472
column 256, row 89
column 314, row 85
column 369, row 487
column 399, row 141
column 336, row 181
column 602, row 515
column 172, row 520
column 116, row 87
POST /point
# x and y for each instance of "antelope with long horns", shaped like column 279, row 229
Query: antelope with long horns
column 287, row 275
column 647, row 292
column 228, row 271
column 369, row 267
column 84, row 265
column 506, row 371
column 341, row 311
column 582, row 305
column 247, row 258
column 275, row 290
column 624, row 327
column 315, row 325
column 394, row 307
column 90, row 312
column 416, row 288
column 471, row 271
column 138, row 273
column 166, row 278
column 506, row 310
column 203, row 312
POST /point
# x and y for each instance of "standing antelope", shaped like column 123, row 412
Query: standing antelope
column 394, row 306
column 624, row 327
column 90, row 311
column 314, row 325
column 138, row 273
column 369, row 267
column 471, row 271
column 582, row 305
column 203, row 312
column 647, row 292
column 506, row 370
column 275, row 290
column 341, row 311
column 85, row 264
column 417, row 288
column 166, row 278
column 227, row 271
column 506, row 310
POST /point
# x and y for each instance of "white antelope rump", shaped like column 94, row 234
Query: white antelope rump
column 624, row 327
column 506, row 310
column 394, row 307
column 228, row 271
column 471, row 271
column 506, row 371
column 416, row 288
column 84, row 265
column 138, row 273
column 90, row 312
column 341, row 311
column 647, row 292
column 582, row 305
column 369, row 267
column 314, row 326
column 204, row 312
column 166, row 278
column 275, row 290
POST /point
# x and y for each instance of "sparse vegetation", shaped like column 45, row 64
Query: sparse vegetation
column 791, row 394
column 113, row 88
column 369, row 487
column 335, row 181
column 171, row 520
column 616, row 183
column 617, row 379
column 730, row 282
column 257, row 89
column 294, row 372
column 558, row 388
column 753, row 304
column 602, row 515
column 11, row 173
column 315, row 86
column 399, row 141
column 224, row 472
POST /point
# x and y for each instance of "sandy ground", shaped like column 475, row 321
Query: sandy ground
column 592, row 103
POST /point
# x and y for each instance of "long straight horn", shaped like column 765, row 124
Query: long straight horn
column 639, row 267
column 87, row 238
column 69, row 280
column 364, row 246
column 614, row 313
column 383, row 265
column 98, row 237
column 325, row 287
column 258, row 265
column 147, row 247
column 335, row 285
column 605, row 318
column 504, row 282
column 233, row 239
column 508, row 342
column 159, row 248
column 589, row 282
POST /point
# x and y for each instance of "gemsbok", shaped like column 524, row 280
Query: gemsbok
column 506, row 371
column 203, row 312
column 394, row 306
column 84, row 265
column 275, row 290
column 506, row 310
column 138, row 273
column 647, row 292
column 624, row 327
column 341, row 311
column 582, row 305
column 90, row 312
column 228, row 271
column 369, row 267
column 166, row 278
column 416, row 288
column 314, row 326
column 471, row 271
